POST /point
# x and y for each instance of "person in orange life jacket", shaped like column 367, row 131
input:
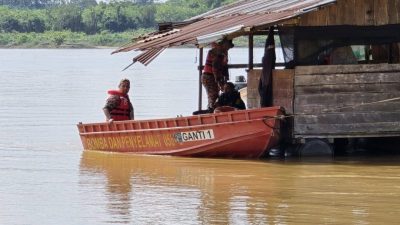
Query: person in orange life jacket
column 230, row 98
column 215, row 73
column 118, row 106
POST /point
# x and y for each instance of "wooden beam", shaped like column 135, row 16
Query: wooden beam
column 255, row 65
column 345, row 69
column 341, row 100
column 200, row 73
column 348, row 118
column 346, row 79
column 356, row 135
column 251, row 52
column 318, row 109
column 375, row 128
column 374, row 87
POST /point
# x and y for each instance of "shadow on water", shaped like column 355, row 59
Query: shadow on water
column 364, row 151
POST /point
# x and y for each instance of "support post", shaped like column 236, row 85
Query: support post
column 251, row 49
column 390, row 53
column 200, row 68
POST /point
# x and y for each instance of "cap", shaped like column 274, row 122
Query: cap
column 228, row 42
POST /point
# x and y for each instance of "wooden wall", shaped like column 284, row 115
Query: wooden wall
column 355, row 12
column 282, row 89
column 347, row 101
column 253, row 97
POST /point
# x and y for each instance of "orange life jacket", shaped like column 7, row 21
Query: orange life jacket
column 209, row 61
column 123, row 110
column 208, row 67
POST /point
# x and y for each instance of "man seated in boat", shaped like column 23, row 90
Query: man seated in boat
column 229, row 100
column 118, row 106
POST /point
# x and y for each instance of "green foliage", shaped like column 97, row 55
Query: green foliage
column 66, row 17
column 22, row 20
column 59, row 39
column 179, row 10
column 63, row 39
column 58, row 19
column 34, row 21
column 91, row 20
column 22, row 39
column 90, row 17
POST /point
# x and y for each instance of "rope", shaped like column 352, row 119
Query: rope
column 280, row 117
column 362, row 104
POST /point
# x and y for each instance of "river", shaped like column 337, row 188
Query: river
column 46, row 178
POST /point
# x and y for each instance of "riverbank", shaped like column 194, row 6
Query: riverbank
column 67, row 39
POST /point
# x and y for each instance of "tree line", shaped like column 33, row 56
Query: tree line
column 91, row 17
column 51, row 3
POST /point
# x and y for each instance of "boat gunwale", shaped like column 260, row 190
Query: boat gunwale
column 176, row 128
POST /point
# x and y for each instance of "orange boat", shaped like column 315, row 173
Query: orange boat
column 236, row 134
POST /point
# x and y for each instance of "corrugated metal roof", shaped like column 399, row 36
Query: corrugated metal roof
column 262, row 6
column 209, row 38
column 246, row 14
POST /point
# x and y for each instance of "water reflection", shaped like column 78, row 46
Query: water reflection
column 169, row 190
column 208, row 191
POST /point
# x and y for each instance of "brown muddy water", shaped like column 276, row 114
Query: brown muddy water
column 46, row 178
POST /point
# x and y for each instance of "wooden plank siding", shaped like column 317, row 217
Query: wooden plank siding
column 347, row 101
column 348, row 10
column 331, row 16
column 369, row 12
column 282, row 90
column 360, row 12
column 253, row 97
column 354, row 12
column 381, row 16
column 392, row 8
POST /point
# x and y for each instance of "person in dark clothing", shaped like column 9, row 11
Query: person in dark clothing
column 230, row 97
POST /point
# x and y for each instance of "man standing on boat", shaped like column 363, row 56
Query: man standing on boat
column 215, row 73
column 118, row 106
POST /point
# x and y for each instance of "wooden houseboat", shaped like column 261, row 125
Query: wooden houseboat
column 340, row 79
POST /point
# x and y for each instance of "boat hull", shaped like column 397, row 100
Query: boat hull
column 238, row 134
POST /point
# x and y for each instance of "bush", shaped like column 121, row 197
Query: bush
column 5, row 39
column 59, row 39
column 22, row 39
